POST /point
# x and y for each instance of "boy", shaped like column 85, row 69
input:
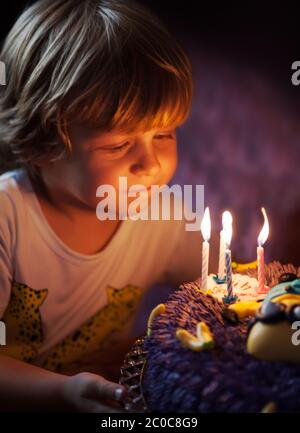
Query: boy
column 95, row 91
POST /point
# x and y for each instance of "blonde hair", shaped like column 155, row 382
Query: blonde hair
column 100, row 63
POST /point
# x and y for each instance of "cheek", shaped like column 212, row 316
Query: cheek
column 95, row 171
column 168, row 161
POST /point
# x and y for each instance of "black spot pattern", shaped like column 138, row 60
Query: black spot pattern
column 89, row 337
column 23, row 322
column 25, row 333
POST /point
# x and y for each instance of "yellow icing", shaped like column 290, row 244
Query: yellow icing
column 203, row 340
column 203, row 332
column 245, row 309
column 288, row 299
column 239, row 267
column 159, row 309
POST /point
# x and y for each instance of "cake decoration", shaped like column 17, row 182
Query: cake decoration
column 219, row 280
column 221, row 269
column 230, row 299
column 245, row 309
column 206, row 232
column 238, row 328
column 241, row 267
column 159, row 309
column 225, row 378
column 244, row 286
column 270, row 336
column 262, row 237
column 227, row 234
column 287, row 276
column 224, row 275
column 203, row 340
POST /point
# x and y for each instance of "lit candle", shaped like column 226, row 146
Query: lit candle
column 206, row 232
column 221, row 271
column 227, row 231
column 263, row 236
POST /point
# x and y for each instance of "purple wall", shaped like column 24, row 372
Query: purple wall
column 242, row 141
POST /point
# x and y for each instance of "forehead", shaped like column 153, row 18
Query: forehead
column 116, row 133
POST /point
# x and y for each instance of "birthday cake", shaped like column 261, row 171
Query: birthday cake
column 203, row 355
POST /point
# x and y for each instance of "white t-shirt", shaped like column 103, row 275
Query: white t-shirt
column 73, row 287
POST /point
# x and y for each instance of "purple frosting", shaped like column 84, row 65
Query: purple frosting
column 223, row 379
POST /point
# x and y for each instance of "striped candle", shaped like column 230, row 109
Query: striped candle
column 206, row 232
column 205, row 256
column 221, row 273
column 228, row 273
column 261, row 269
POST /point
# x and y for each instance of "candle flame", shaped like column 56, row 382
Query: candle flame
column 226, row 218
column 227, row 227
column 264, row 233
column 206, row 225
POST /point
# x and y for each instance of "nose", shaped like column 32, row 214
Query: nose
column 146, row 165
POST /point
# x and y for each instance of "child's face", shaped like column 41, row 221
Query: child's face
column 147, row 158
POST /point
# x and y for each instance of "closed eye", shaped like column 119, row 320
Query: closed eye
column 118, row 148
column 164, row 136
column 125, row 145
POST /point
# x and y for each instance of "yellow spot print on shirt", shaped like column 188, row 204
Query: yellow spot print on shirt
column 89, row 337
column 24, row 334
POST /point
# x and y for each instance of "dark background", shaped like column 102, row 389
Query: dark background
column 242, row 140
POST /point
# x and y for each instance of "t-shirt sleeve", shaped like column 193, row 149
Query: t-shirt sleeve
column 184, row 264
column 6, row 246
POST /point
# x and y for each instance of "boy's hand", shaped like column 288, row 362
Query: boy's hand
column 87, row 392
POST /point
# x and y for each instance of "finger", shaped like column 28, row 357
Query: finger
column 112, row 391
column 104, row 389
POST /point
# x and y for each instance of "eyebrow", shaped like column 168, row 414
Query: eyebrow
column 131, row 134
column 120, row 138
